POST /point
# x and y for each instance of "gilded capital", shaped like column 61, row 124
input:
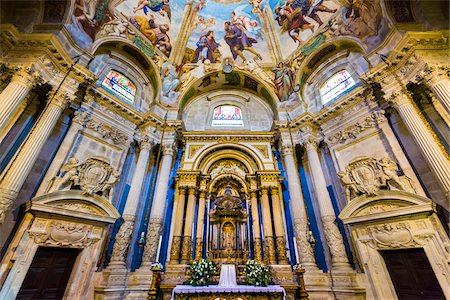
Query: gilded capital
column 168, row 149
column 61, row 99
column 146, row 143
column 27, row 76
column 399, row 99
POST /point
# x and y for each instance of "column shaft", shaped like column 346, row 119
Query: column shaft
column 269, row 247
column 440, row 86
column 298, row 212
column 334, row 238
column 158, row 208
column 256, row 227
column 200, row 227
column 13, row 95
column 19, row 169
column 186, row 248
column 178, row 226
column 437, row 160
column 278, row 224
column 125, row 232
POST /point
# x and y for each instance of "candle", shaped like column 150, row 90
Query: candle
column 296, row 250
column 159, row 248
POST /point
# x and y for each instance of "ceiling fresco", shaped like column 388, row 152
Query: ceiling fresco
column 268, row 38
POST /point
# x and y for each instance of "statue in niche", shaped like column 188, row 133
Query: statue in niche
column 367, row 175
column 228, row 239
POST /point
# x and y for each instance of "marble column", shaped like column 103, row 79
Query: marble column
column 437, row 80
column 177, row 226
column 298, row 211
column 14, row 93
column 186, row 246
column 256, row 227
column 155, row 224
column 278, row 225
column 435, row 156
column 200, row 226
column 19, row 169
column 269, row 246
column 335, row 241
column 123, row 237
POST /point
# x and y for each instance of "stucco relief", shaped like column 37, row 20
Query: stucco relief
column 393, row 236
column 367, row 175
column 94, row 176
column 64, row 234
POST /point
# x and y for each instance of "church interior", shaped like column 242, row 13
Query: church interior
column 224, row 149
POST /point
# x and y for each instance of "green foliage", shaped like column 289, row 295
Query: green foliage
column 201, row 272
column 256, row 273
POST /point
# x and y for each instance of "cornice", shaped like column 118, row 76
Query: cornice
column 223, row 138
column 399, row 56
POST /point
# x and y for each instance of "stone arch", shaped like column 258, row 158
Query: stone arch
column 243, row 153
column 265, row 90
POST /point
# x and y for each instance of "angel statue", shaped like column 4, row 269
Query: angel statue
column 68, row 176
column 170, row 82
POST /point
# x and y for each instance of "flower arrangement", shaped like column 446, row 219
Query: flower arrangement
column 256, row 273
column 201, row 272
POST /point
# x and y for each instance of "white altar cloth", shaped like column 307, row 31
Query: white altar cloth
column 189, row 289
column 227, row 284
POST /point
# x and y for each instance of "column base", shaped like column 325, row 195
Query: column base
column 186, row 250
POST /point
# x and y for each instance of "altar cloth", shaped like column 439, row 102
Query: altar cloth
column 189, row 289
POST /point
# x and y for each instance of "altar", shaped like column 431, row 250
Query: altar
column 228, row 289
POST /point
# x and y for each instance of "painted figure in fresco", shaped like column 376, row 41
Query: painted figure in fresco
column 256, row 9
column 205, row 23
column 88, row 7
column 206, row 46
column 238, row 41
column 197, row 5
column 157, row 34
column 146, row 26
column 283, row 81
column 310, row 8
column 245, row 22
column 161, row 6
column 292, row 21
column 170, row 82
column 163, row 40
column 361, row 18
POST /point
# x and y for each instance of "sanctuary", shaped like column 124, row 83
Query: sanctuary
column 224, row 149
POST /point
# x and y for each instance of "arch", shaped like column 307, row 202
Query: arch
column 386, row 204
column 265, row 92
column 142, row 64
column 326, row 50
column 76, row 204
column 233, row 176
column 242, row 153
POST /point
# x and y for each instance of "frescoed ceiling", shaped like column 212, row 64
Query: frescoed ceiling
column 191, row 36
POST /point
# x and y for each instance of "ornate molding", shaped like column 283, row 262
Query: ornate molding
column 367, row 175
column 122, row 241
column 393, row 236
column 334, row 240
column 353, row 131
column 85, row 119
column 305, row 250
column 151, row 243
column 94, row 176
column 63, row 233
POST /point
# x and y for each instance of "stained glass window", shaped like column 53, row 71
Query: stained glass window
column 337, row 85
column 227, row 115
column 120, row 85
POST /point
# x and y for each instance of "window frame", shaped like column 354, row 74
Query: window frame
column 122, row 95
column 335, row 96
column 227, row 125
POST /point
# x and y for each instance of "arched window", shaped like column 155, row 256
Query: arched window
column 120, row 85
column 227, row 115
column 336, row 85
